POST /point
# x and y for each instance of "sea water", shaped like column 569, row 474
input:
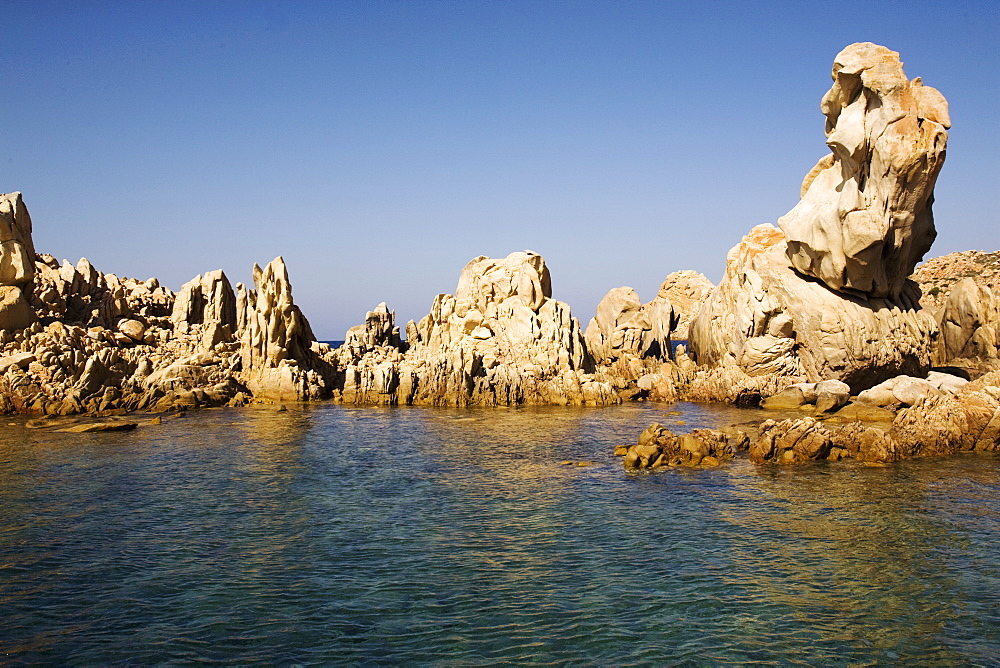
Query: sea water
column 341, row 535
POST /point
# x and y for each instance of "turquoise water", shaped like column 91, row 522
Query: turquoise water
column 434, row 536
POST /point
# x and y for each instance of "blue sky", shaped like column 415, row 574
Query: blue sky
column 379, row 146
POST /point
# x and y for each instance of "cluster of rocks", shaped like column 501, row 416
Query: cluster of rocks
column 936, row 423
column 78, row 340
column 659, row 447
column 75, row 340
column 821, row 314
column 502, row 339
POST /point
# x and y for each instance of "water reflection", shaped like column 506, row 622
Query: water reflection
column 390, row 535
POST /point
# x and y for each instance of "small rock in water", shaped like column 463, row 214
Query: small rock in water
column 91, row 427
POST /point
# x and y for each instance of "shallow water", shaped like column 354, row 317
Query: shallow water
column 409, row 535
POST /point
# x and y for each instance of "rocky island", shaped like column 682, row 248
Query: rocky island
column 823, row 314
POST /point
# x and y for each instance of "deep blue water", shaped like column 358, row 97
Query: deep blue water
column 410, row 535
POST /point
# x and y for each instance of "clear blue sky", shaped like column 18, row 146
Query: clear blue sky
column 379, row 146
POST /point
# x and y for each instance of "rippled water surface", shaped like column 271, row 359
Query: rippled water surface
column 408, row 535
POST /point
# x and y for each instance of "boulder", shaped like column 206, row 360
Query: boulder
column 969, row 324
column 15, row 310
column 685, row 290
column 658, row 446
column 794, row 396
column 17, row 250
column 132, row 328
column 624, row 326
column 20, row 360
column 206, row 298
column 831, row 395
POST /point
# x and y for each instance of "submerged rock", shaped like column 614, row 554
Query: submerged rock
column 659, row 447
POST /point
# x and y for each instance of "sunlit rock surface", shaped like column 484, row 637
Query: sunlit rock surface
column 864, row 220
column 17, row 263
column 827, row 296
column 501, row 339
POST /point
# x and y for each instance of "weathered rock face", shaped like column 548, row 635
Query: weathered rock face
column 17, row 250
column 17, row 263
column 970, row 325
column 624, row 325
column 686, row 291
column 937, row 276
column 769, row 321
column 205, row 299
column 865, row 218
column 378, row 331
column 102, row 343
column 828, row 298
column 275, row 339
column 499, row 340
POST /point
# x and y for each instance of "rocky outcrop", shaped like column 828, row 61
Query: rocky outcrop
column 770, row 322
column 800, row 440
column 624, row 325
column 100, row 344
column 17, row 263
column 954, row 417
column 378, row 331
column 276, row 342
column 659, row 447
column 827, row 297
column 206, row 299
column 969, row 325
column 686, row 290
column 864, row 220
column 501, row 339
column 937, row 276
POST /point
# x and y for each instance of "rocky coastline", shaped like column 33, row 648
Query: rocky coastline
column 827, row 314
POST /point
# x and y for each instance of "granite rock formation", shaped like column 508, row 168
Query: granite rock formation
column 100, row 343
column 276, row 341
column 969, row 325
column 938, row 276
column 501, row 339
column 17, row 263
column 658, row 447
column 827, row 297
column 864, row 220
column 623, row 325
column 686, row 290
